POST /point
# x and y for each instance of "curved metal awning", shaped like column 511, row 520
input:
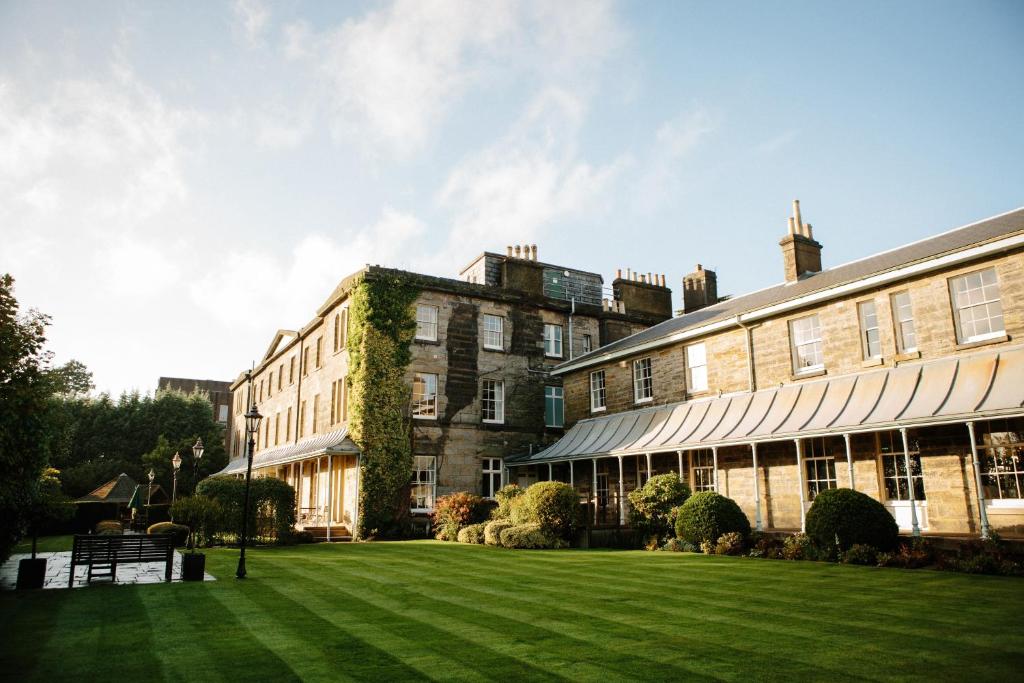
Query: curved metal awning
column 974, row 387
column 331, row 443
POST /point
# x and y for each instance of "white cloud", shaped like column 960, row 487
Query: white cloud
column 526, row 181
column 392, row 75
column 254, row 18
column 675, row 140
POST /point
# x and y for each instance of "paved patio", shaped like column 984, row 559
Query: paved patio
column 59, row 564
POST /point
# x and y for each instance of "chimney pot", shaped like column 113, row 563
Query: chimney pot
column 509, row 248
column 533, row 251
column 518, row 250
column 618, row 274
column 796, row 217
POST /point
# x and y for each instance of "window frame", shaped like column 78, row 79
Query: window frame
column 643, row 380
column 690, row 386
column 602, row 392
column 422, row 323
column 894, row 441
column 865, row 330
column 554, row 395
column 500, row 345
column 795, row 348
column 701, row 468
column 587, row 343
column 815, row 450
column 488, row 471
column 497, row 400
column 418, row 480
column 424, row 377
column 957, row 309
column 996, row 466
column 898, row 323
column 552, row 340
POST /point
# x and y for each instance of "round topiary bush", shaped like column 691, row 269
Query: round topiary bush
column 652, row 507
column 492, row 531
column 506, row 497
column 530, row 537
column 705, row 516
column 551, row 504
column 178, row 531
column 474, row 533
column 840, row 518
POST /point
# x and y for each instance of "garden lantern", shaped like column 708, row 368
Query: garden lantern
column 176, row 463
column 252, row 426
column 197, row 455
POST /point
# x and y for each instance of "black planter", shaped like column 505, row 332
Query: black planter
column 31, row 573
column 193, row 565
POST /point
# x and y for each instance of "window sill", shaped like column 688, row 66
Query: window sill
column 983, row 342
column 427, row 342
column 493, row 422
column 872, row 362
column 599, row 410
column 428, row 418
column 494, row 349
column 641, row 401
column 818, row 372
column 907, row 355
column 703, row 393
column 553, row 356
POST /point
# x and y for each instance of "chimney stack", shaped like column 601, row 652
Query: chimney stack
column 700, row 289
column 801, row 255
column 533, row 251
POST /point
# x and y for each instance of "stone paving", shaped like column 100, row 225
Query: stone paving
column 58, row 565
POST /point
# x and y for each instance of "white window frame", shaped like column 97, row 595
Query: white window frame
column 494, row 337
column 426, row 322
column 492, row 469
column 599, row 393
column 901, row 322
column 424, row 407
column 890, row 446
column 1002, row 463
column 588, row 343
column 643, row 380
column 702, row 470
column 696, row 367
column 552, row 340
column 424, row 478
column 556, row 395
column 812, row 341
column 816, row 455
column 971, row 298
column 496, row 401
column 870, row 330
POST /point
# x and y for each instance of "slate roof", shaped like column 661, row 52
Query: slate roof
column 331, row 443
column 952, row 241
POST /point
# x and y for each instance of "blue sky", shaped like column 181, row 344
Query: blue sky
column 179, row 180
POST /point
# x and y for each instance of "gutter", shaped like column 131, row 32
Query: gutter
column 870, row 282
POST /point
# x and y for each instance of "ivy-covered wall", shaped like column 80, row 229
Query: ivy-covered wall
column 382, row 325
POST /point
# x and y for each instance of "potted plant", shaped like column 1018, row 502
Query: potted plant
column 48, row 506
column 200, row 514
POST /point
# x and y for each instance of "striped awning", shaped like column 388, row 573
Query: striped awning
column 978, row 386
column 332, row 443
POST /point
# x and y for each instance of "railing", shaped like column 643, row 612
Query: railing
column 311, row 517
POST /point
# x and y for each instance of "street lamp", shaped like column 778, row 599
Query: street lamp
column 197, row 455
column 176, row 463
column 252, row 425
column 149, row 497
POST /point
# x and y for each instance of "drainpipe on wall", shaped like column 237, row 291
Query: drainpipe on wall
column 298, row 392
column 751, row 378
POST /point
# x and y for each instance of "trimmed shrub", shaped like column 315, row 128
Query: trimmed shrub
column 179, row 532
column 455, row 511
column 296, row 537
column 707, row 515
column 202, row 514
column 859, row 553
column 730, row 544
column 493, row 529
column 109, row 526
column 507, row 497
column 653, row 507
column 674, row 545
column 840, row 518
column 530, row 536
column 551, row 504
column 271, row 506
column 474, row 533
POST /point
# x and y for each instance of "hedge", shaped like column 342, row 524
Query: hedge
column 551, row 504
column 493, row 529
column 474, row 533
column 452, row 512
column 707, row 515
column 271, row 506
column 202, row 514
column 530, row 536
column 841, row 518
column 507, row 496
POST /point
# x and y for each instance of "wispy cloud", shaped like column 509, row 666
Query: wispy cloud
column 253, row 18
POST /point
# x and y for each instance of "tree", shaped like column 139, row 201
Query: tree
column 24, row 431
column 71, row 380
column 49, row 505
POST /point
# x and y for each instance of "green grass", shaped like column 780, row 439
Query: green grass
column 46, row 544
column 427, row 610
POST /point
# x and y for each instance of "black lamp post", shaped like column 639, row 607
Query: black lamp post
column 176, row 464
column 252, row 425
column 149, row 496
column 197, row 455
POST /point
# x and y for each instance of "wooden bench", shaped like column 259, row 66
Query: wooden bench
column 102, row 553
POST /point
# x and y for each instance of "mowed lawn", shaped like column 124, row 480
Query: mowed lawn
column 430, row 610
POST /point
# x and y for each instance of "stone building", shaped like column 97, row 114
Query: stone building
column 900, row 375
column 479, row 378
